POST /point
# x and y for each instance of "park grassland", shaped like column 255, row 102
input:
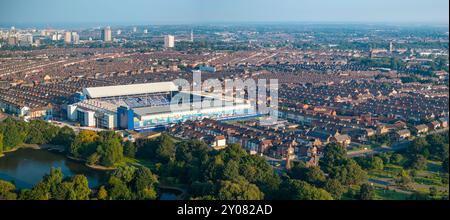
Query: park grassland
column 139, row 169
column 423, row 182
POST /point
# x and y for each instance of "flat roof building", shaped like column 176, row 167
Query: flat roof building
column 68, row 37
column 106, row 34
column 169, row 41
column 133, row 89
column 143, row 107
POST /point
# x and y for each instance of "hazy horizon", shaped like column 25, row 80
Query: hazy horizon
column 158, row 12
column 145, row 24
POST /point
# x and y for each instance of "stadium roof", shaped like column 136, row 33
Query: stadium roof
column 154, row 110
column 133, row 89
column 151, row 110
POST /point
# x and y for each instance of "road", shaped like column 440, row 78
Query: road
column 363, row 153
column 75, row 128
column 397, row 147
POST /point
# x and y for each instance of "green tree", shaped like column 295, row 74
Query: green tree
column 1, row 143
column 125, row 173
column 445, row 165
column 7, row 191
column 292, row 189
column 64, row 192
column 438, row 146
column 235, row 152
column 38, row 192
column 146, row 149
column 239, row 189
column 84, row 144
column 419, row 147
column 208, row 172
column 377, row 163
column 214, row 168
column 418, row 162
column 433, row 192
column 14, row 133
column 198, row 189
column 93, row 159
column 110, row 152
column 74, row 188
column 333, row 155
column 315, row 176
column 65, row 137
column 231, row 170
column 349, row 174
column 366, row 192
column 249, row 171
column 117, row 189
column 53, row 186
column 397, row 159
column 109, row 148
column 161, row 149
column 129, row 149
column 335, row 188
column 404, row 179
column 53, row 179
column 261, row 173
column 165, row 150
column 102, row 193
column 47, row 130
column 144, row 182
column 35, row 136
column 385, row 157
column 81, row 187
column 312, row 175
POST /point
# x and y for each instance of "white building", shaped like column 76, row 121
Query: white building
column 26, row 39
column 56, row 37
column 169, row 41
column 219, row 142
column 68, row 37
column 75, row 38
column 106, row 34
column 72, row 112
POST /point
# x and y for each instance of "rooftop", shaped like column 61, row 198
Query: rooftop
column 133, row 89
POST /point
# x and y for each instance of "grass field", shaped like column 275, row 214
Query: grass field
column 383, row 194
column 423, row 181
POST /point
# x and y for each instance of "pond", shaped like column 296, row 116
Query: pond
column 168, row 194
column 26, row 167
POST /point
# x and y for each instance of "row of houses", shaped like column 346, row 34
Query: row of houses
column 269, row 141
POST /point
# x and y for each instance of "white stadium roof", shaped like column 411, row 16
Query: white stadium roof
column 133, row 89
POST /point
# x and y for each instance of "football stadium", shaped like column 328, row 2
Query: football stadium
column 143, row 107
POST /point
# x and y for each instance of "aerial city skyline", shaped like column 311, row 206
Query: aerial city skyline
column 225, row 100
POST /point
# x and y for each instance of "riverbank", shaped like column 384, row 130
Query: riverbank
column 94, row 167
column 181, row 195
column 98, row 167
column 51, row 147
column 58, row 149
column 26, row 167
column 24, row 146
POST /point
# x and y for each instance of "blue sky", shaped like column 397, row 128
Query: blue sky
column 211, row 11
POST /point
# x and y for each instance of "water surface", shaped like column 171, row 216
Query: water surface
column 26, row 167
